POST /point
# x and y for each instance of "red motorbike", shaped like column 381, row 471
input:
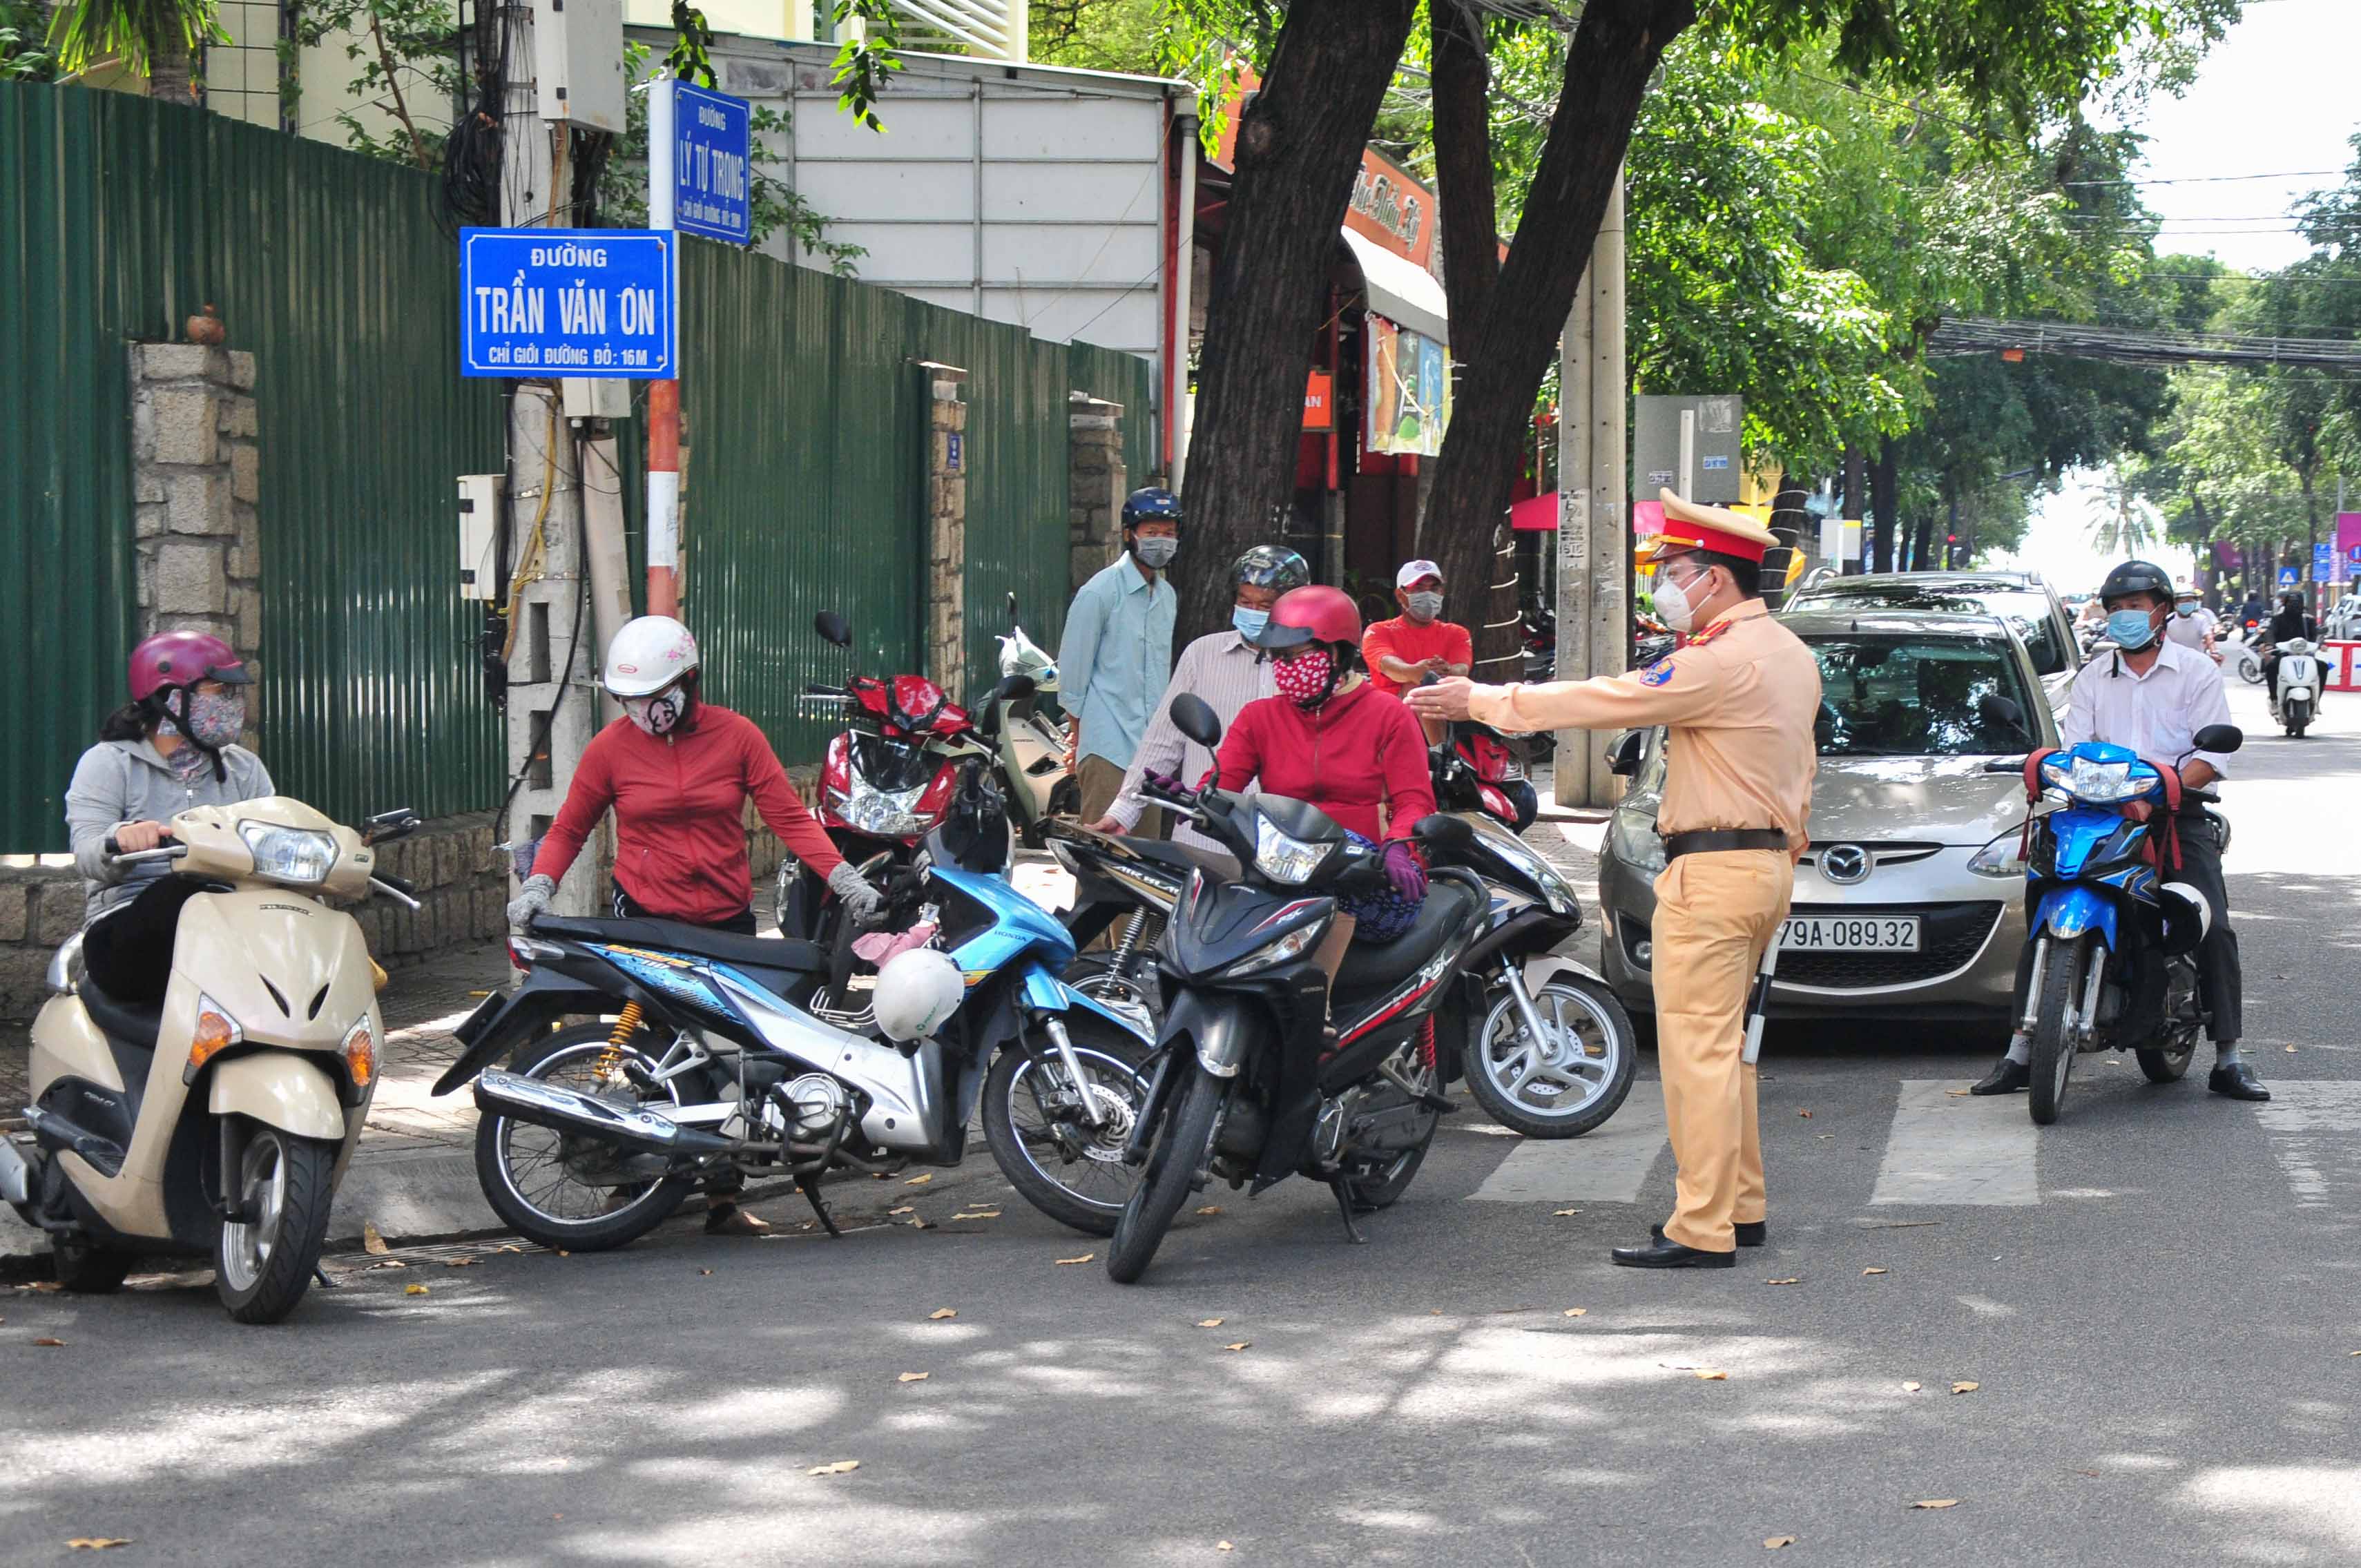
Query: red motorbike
column 1475, row 770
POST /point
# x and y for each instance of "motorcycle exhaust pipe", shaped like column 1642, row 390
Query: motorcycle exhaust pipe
column 540, row 1105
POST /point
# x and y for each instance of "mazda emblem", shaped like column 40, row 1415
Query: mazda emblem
column 1845, row 863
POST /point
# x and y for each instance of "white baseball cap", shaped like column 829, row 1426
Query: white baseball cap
column 1413, row 570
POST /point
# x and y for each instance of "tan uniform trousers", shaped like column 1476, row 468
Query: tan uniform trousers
column 1715, row 913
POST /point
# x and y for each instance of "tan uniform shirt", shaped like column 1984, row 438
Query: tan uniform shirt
column 1740, row 702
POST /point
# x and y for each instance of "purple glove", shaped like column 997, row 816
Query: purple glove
column 1402, row 870
column 1163, row 783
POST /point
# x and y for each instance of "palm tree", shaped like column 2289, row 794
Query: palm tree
column 158, row 40
column 2121, row 522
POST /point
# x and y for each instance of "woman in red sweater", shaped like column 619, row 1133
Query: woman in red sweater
column 677, row 771
column 1333, row 739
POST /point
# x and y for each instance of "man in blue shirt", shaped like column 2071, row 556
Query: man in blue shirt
column 1117, row 650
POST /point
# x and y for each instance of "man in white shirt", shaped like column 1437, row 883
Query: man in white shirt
column 2153, row 695
column 2193, row 625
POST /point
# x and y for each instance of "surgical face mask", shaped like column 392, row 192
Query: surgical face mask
column 1673, row 606
column 657, row 715
column 1248, row 621
column 216, row 719
column 1154, row 552
column 2131, row 629
column 1425, row 606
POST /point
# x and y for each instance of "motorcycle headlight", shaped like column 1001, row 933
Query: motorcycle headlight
column 2102, row 782
column 1295, row 944
column 1283, row 858
column 2000, row 857
column 1634, row 840
column 883, row 814
column 289, row 854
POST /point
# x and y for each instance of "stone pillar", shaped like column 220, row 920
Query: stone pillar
column 196, row 478
column 1095, row 486
column 947, row 465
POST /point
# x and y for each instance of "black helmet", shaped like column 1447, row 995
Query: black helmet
column 1151, row 505
column 2292, row 599
column 2136, row 578
column 1269, row 567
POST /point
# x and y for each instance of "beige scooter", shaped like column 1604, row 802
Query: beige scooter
column 258, row 1063
column 1036, row 780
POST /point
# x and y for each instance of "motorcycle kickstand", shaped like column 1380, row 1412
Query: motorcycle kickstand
column 1344, row 1192
column 810, row 1190
column 321, row 1275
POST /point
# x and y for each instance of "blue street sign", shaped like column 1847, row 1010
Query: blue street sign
column 588, row 302
column 2324, row 561
column 2287, row 577
column 712, row 169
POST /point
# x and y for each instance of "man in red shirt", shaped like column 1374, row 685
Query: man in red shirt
column 1403, row 651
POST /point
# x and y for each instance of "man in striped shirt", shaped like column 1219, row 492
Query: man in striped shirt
column 1223, row 668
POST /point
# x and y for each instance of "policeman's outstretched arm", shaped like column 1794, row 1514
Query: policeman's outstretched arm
column 1680, row 688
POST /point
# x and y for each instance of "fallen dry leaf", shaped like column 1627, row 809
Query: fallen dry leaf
column 2291, row 1050
column 461, row 1262
column 1577, row 1312
column 1562, row 1214
column 1937, row 1503
column 508, row 1246
column 1965, row 1387
column 96, row 1543
column 1240, row 1345
column 1224, row 1546
column 1711, row 1375
column 1872, row 1271
column 905, row 1209
column 917, row 1181
column 50, row 1343
column 1084, row 1259
column 1776, row 1542
column 917, row 1223
column 371, row 1242
column 389, row 1263
column 979, row 1214
column 562, row 1252
column 912, row 1377
column 45, row 1287
column 939, row 1313
column 703, row 1272
column 414, row 1290
column 1806, row 1115
column 1912, row 1387
column 1957, row 1093
column 841, row 1467
column 1209, row 1322
column 1793, row 1279
column 1211, row 1209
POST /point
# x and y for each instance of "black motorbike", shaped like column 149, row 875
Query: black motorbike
column 1247, row 1086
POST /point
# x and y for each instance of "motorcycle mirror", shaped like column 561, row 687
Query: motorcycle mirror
column 1194, row 717
column 2221, row 737
column 1012, row 610
column 1624, row 759
column 833, row 627
column 1442, row 831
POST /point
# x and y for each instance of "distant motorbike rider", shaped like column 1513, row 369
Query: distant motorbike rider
column 2193, row 625
column 1226, row 669
column 678, row 770
column 2153, row 696
column 2289, row 622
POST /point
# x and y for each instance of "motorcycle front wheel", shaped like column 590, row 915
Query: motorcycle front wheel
column 1561, row 1087
column 2053, row 1043
column 263, row 1264
column 1182, row 1147
column 561, row 1189
column 1035, row 1125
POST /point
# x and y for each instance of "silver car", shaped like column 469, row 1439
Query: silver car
column 1910, row 903
column 2030, row 605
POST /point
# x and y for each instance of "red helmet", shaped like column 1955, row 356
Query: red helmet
column 1315, row 614
column 173, row 659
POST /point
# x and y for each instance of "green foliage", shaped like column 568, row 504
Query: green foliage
column 689, row 58
column 24, row 56
column 1097, row 35
column 134, row 34
column 866, row 62
column 404, row 53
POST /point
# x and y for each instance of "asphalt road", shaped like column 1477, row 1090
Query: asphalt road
column 2157, row 1302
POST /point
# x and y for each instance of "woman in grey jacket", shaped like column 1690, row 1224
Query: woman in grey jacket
column 172, row 747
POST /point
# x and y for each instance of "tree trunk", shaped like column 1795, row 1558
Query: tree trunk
column 1923, row 557
column 1885, row 498
column 1462, row 160
column 1299, row 141
column 170, row 74
column 1505, row 351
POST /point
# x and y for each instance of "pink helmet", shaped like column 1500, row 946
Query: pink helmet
column 173, row 659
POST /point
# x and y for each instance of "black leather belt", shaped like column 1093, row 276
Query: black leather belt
column 1713, row 838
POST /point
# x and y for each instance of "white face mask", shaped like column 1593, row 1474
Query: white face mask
column 1673, row 605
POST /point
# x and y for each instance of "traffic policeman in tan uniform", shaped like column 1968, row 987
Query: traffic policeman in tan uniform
column 1739, row 696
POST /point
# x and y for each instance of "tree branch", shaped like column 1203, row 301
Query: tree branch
column 424, row 158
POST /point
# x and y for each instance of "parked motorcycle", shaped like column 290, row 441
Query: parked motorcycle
column 2295, row 691
column 221, row 1119
column 691, row 1053
column 2113, row 936
column 1035, row 778
column 1245, row 1088
column 1475, row 768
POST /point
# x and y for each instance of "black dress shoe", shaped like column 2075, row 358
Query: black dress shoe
column 2006, row 1079
column 2237, row 1081
column 1662, row 1253
column 1748, row 1234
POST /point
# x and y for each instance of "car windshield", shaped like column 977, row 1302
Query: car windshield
column 1899, row 696
column 2027, row 610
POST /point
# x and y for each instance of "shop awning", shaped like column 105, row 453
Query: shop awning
column 1400, row 289
column 1534, row 514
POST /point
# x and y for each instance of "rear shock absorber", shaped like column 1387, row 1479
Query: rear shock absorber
column 610, row 1060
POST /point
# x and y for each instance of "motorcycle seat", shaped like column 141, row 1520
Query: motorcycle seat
column 127, row 1023
column 1372, row 967
column 675, row 937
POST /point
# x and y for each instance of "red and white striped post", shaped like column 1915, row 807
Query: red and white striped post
column 663, row 397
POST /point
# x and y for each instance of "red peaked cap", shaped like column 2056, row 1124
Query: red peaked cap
column 1688, row 526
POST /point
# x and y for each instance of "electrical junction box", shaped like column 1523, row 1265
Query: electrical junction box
column 577, row 63
column 480, row 535
column 597, row 398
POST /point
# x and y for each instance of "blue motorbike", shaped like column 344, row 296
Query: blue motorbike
column 2112, row 934
column 650, row 1057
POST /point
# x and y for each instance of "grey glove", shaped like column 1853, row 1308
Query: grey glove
column 532, row 899
column 862, row 902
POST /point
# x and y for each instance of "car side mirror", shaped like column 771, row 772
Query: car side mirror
column 1194, row 717
column 833, row 627
column 2221, row 737
column 1624, row 759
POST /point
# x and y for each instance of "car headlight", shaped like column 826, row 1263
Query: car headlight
column 359, row 1051
column 1633, row 840
column 1283, row 858
column 2004, row 857
column 289, row 854
column 1295, row 944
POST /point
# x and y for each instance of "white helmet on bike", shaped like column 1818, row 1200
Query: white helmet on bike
column 916, row 992
column 648, row 655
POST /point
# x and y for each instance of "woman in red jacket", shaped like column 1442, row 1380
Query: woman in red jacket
column 1333, row 739
column 677, row 771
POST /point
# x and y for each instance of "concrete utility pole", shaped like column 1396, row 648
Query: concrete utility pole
column 1594, row 537
column 555, row 642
